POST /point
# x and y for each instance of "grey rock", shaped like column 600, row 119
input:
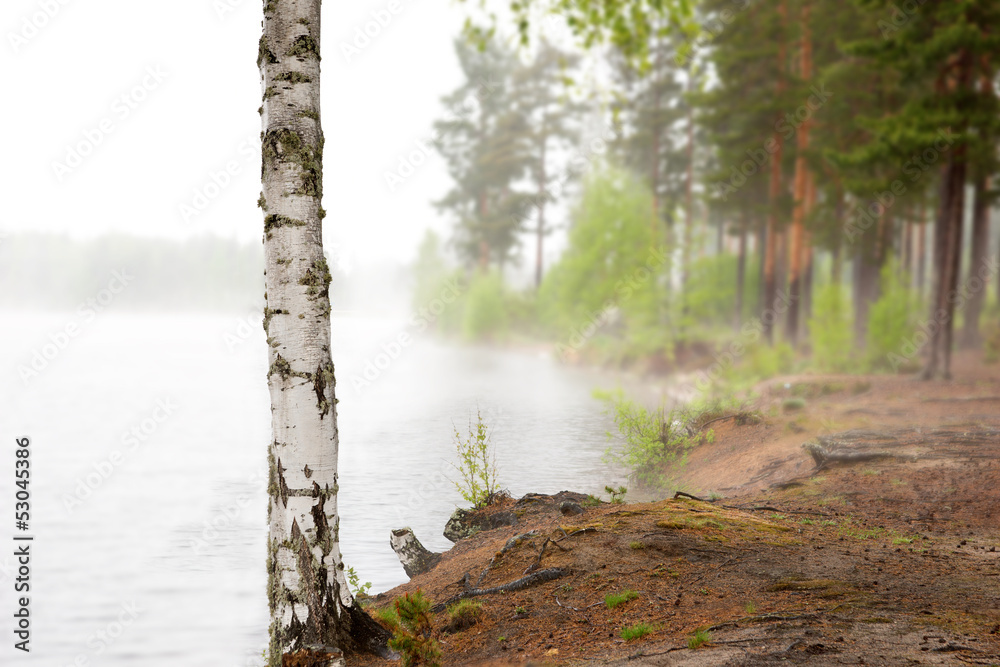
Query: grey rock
column 465, row 523
column 569, row 508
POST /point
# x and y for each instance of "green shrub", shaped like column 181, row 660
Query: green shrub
column 991, row 343
column 485, row 316
column 636, row 631
column 354, row 583
column 699, row 638
column 463, row 614
column 793, row 404
column 654, row 442
column 831, row 331
column 759, row 362
column 477, row 464
column 617, row 495
column 892, row 319
column 412, row 638
column 610, row 279
column 612, row 600
column 388, row 617
column 709, row 295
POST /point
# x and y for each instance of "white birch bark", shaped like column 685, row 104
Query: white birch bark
column 311, row 606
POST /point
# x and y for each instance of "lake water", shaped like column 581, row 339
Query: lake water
column 156, row 554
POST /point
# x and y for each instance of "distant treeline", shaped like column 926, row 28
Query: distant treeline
column 57, row 272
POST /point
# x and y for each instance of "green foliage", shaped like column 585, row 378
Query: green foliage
column 830, row 331
column 354, row 583
column 610, row 279
column 992, row 343
column 612, row 600
column 636, row 631
column 758, row 362
column 709, row 294
column 892, row 319
column 617, row 495
column 654, row 442
column 485, row 316
column 699, row 638
column 388, row 617
column 463, row 614
column 412, row 638
column 477, row 464
column 793, row 404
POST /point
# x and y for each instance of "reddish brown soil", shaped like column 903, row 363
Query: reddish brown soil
column 885, row 562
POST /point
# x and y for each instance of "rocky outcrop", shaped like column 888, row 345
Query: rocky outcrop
column 416, row 558
column 466, row 523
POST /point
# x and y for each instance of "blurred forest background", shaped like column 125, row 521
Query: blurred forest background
column 781, row 184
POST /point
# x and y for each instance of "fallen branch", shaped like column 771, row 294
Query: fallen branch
column 518, row 584
column 566, row 606
column 768, row 508
column 823, row 456
column 511, row 543
column 681, row 494
column 541, row 552
column 762, row 618
column 575, row 532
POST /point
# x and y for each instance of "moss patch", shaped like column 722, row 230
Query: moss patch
column 304, row 46
column 292, row 77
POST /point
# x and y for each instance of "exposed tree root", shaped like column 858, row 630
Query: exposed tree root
column 823, row 456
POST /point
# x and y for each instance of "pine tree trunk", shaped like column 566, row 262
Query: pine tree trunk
column 807, row 260
column 774, row 193
column 837, row 261
column 947, row 252
column 866, row 290
column 741, row 270
column 801, row 187
column 540, row 231
column 310, row 603
column 979, row 241
column 762, row 236
column 920, row 254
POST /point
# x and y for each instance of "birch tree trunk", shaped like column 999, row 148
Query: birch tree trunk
column 311, row 605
